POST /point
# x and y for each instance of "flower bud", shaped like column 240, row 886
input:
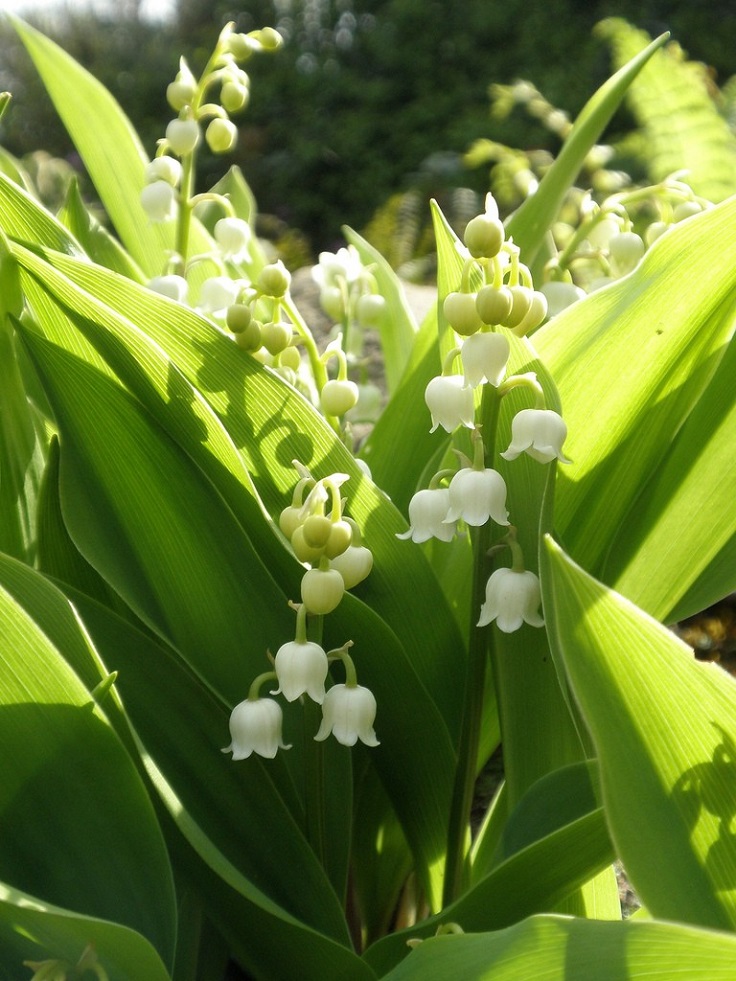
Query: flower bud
column 290, row 358
column 494, row 304
column 290, row 519
column 370, row 308
column 354, row 564
column 182, row 135
column 276, row 337
column 316, row 530
column 164, row 168
column 158, row 200
column 238, row 317
column 535, row 314
column 331, row 300
column 686, row 209
column 339, row 539
column 304, row 552
column 484, row 236
column 234, row 97
column 461, row 313
column 322, row 590
column 338, row 396
column 182, row 90
column 274, row 279
column 221, row 135
column 521, row 301
column 251, row 338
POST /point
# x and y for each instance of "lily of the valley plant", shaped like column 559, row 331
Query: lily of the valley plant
column 253, row 669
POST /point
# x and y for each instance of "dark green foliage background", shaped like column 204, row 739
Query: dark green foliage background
column 368, row 96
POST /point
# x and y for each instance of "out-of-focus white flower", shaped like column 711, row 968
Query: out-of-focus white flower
column 217, row 294
column 450, row 402
column 476, row 496
column 538, row 432
column 560, row 295
column 233, row 237
column 301, row 669
column 349, row 711
column 164, row 168
column 333, row 267
column 484, row 357
column 255, row 727
column 512, row 598
column 427, row 512
column 175, row 287
column 158, row 200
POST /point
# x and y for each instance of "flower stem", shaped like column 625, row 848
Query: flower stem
column 314, row 765
column 456, row 864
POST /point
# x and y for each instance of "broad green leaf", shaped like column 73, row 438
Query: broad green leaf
column 78, row 828
column 396, row 324
column 663, row 725
column 405, row 652
column 535, row 879
column 530, row 223
column 552, row 947
column 32, row 930
column 23, row 218
column 676, row 552
column 630, row 364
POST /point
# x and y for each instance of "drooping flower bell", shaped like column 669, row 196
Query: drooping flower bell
column 255, row 727
column 538, row 432
column 301, row 665
column 348, row 712
column 512, row 598
column 233, row 236
column 477, row 495
column 427, row 513
column 450, row 401
column 484, row 357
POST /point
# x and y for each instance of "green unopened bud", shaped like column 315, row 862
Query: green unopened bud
column 462, row 316
column 521, row 300
column 340, row 538
column 338, row 397
column 686, row 209
column 241, row 46
column 234, row 97
column 370, row 308
column 535, row 314
column 274, row 279
column 484, row 236
column 221, row 135
column 268, row 38
column 304, row 552
column 322, row 590
column 290, row 358
column 164, row 168
column 316, row 530
column 238, row 317
column 494, row 305
column 182, row 135
column 250, row 339
column 276, row 337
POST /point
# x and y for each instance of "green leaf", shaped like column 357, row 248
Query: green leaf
column 663, row 725
column 629, row 374
column 36, row 931
column 23, row 218
column 78, row 828
column 577, row 950
column 530, row 223
column 396, row 324
column 406, row 652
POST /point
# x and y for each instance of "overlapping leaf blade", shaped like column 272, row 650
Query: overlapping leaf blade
column 663, row 725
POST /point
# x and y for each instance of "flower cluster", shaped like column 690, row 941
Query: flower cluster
column 301, row 668
column 495, row 299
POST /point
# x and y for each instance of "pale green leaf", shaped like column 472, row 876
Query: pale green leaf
column 663, row 725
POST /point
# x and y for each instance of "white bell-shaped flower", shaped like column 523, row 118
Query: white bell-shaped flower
column 301, row 668
column 233, row 236
column 158, row 200
column 217, row 294
column 349, row 711
column 484, row 356
column 175, row 287
column 538, row 432
column 450, row 401
column 427, row 512
column 255, row 727
column 512, row 598
column 354, row 564
column 476, row 496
